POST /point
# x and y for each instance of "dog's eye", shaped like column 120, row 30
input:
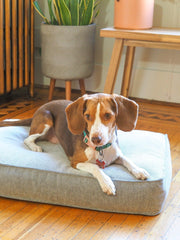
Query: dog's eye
column 87, row 116
column 107, row 116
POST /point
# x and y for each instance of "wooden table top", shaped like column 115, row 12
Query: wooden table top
column 156, row 34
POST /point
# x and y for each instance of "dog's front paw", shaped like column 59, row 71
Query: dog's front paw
column 141, row 173
column 36, row 148
column 32, row 146
column 107, row 185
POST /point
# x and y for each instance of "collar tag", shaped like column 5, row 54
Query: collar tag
column 101, row 164
column 101, row 155
column 100, row 161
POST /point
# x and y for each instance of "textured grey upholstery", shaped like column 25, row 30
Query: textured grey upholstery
column 47, row 177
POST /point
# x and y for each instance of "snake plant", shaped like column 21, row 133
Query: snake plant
column 70, row 12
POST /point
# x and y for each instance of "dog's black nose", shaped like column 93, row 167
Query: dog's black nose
column 96, row 140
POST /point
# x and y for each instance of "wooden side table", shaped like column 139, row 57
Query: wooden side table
column 166, row 38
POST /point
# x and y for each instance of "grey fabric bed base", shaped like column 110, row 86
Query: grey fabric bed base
column 47, row 177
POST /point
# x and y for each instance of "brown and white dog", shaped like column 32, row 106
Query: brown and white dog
column 86, row 129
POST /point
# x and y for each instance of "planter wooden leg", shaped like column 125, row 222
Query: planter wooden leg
column 51, row 88
column 68, row 90
column 82, row 86
column 127, row 71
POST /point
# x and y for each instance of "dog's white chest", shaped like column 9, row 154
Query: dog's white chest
column 108, row 155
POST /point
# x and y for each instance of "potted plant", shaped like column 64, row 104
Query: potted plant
column 133, row 14
column 68, row 39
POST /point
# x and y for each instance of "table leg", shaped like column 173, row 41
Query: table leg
column 114, row 65
column 127, row 71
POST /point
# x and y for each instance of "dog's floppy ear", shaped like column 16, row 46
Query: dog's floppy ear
column 74, row 115
column 127, row 113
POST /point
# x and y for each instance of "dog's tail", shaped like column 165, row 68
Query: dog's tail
column 16, row 122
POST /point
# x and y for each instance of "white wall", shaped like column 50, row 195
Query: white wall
column 156, row 73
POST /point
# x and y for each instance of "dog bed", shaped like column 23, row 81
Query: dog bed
column 47, row 177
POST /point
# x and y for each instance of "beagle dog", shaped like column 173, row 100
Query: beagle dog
column 87, row 131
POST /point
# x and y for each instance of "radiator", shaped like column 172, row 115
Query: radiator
column 16, row 45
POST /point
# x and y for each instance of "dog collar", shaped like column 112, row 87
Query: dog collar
column 100, row 148
column 100, row 161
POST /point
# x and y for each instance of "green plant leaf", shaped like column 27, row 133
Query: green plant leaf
column 38, row 9
column 96, row 14
column 57, row 12
column 67, row 2
column 82, row 7
column 88, row 13
column 65, row 13
column 58, row 6
column 74, row 9
column 51, row 13
column 96, row 11
column 85, row 3
column 70, row 12
column 96, row 4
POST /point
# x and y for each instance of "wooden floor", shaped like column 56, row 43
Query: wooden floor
column 26, row 220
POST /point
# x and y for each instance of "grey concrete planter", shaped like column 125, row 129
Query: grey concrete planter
column 67, row 51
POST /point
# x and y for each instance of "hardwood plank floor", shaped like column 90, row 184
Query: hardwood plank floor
column 26, row 220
